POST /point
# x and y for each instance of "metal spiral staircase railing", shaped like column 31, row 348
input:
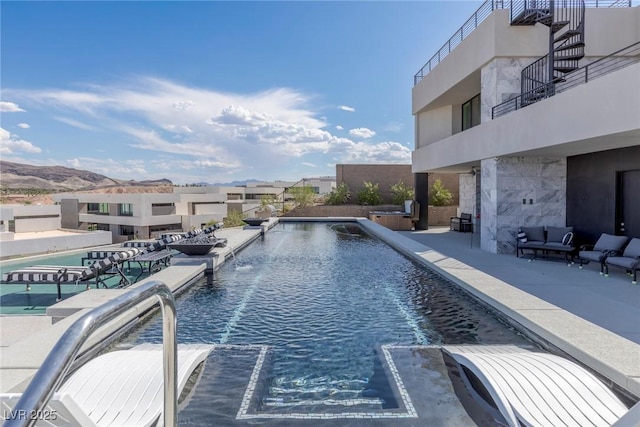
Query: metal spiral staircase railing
column 565, row 19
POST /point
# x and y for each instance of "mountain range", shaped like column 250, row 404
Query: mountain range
column 59, row 178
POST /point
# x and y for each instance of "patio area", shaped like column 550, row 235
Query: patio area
column 612, row 303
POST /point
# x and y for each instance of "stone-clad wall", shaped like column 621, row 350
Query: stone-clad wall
column 500, row 80
column 506, row 181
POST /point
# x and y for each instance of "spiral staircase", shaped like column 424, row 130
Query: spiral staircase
column 565, row 19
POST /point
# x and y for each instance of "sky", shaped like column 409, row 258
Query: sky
column 213, row 91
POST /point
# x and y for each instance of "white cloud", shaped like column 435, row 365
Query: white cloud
column 74, row 123
column 193, row 132
column 311, row 165
column 10, row 107
column 346, row 108
column 11, row 144
column 393, row 127
column 23, row 125
column 339, row 127
column 361, row 133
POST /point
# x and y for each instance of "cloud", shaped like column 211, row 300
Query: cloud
column 361, row 133
column 393, row 127
column 311, row 165
column 191, row 132
column 10, row 107
column 339, row 127
column 345, row 108
column 11, row 144
column 74, row 123
column 23, row 125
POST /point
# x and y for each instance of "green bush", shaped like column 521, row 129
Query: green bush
column 339, row 195
column 303, row 196
column 369, row 194
column 401, row 192
column 440, row 196
column 234, row 219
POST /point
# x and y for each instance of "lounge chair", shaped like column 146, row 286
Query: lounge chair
column 461, row 223
column 120, row 388
column 73, row 275
column 630, row 260
column 607, row 245
column 531, row 388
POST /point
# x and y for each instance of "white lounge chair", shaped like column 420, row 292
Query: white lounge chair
column 120, row 388
column 539, row 389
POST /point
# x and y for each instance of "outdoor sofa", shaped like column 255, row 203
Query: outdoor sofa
column 629, row 260
column 607, row 245
column 553, row 239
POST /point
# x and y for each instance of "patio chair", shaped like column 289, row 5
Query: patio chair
column 120, row 388
column 73, row 275
column 630, row 260
column 461, row 223
column 607, row 245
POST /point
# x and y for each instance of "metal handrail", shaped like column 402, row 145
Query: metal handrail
column 481, row 14
column 58, row 363
column 620, row 59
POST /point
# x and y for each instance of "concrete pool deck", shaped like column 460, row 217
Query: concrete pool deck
column 592, row 319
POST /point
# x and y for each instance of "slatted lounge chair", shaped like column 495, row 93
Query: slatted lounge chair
column 630, row 260
column 121, row 388
column 607, row 245
column 538, row 389
column 73, row 275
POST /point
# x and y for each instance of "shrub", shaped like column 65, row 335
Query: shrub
column 339, row 195
column 303, row 196
column 440, row 196
column 370, row 194
column 233, row 219
column 401, row 192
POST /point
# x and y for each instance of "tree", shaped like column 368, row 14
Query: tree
column 303, row 196
column 401, row 192
column 369, row 194
column 339, row 195
column 440, row 196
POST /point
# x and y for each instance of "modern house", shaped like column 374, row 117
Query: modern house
column 148, row 215
column 141, row 215
column 537, row 105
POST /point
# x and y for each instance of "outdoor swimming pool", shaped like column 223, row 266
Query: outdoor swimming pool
column 309, row 320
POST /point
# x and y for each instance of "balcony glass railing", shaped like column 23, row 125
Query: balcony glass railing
column 483, row 12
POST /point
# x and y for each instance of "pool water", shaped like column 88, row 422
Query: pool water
column 325, row 303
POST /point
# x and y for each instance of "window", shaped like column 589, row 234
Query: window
column 98, row 208
column 93, row 226
column 471, row 113
column 125, row 209
column 126, row 230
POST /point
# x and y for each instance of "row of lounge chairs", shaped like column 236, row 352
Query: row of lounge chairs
column 103, row 264
column 609, row 250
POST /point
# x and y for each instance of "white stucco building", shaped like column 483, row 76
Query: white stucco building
column 555, row 145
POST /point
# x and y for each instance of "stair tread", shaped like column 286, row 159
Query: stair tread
column 569, row 46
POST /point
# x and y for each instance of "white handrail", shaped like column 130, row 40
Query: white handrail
column 57, row 364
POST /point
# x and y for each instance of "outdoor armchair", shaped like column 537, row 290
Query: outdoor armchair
column 630, row 260
column 607, row 245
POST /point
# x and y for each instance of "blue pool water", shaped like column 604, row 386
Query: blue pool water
column 324, row 301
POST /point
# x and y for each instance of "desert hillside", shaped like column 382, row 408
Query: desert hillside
column 28, row 184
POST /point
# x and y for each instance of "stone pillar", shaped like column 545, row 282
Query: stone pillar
column 520, row 191
column 467, row 203
column 421, row 186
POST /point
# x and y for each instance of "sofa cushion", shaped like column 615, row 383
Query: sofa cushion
column 531, row 245
column 633, row 249
column 555, row 234
column 534, row 233
column 607, row 242
column 521, row 236
column 555, row 246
